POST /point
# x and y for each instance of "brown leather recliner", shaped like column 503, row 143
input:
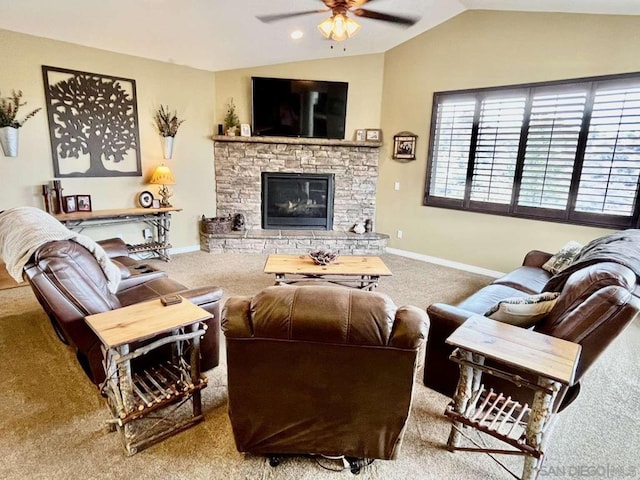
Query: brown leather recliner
column 321, row 370
column 69, row 284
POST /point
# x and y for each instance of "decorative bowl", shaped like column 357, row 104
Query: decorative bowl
column 322, row 256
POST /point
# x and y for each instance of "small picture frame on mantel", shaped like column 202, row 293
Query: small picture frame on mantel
column 360, row 135
column 373, row 135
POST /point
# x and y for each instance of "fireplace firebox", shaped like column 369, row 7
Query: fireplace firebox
column 297, row 200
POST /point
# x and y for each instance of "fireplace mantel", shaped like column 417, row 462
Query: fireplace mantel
column 297, row 141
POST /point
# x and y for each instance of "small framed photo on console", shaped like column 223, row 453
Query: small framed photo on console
column 83, row 202
column 70, row 204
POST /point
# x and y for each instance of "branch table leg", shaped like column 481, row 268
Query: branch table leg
column 462, row 396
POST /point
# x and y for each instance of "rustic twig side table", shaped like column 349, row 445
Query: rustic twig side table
column 551, row 360
column 148, row 403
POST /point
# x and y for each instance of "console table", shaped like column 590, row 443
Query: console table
column 146, row 401
column 158, row 218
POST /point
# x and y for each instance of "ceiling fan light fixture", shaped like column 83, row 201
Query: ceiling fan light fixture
column 352, row 27
column 339, row 27
column 326, row 26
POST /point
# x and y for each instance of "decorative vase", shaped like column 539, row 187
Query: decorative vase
column 9, row 141
column 167, row 147
column 231, row 132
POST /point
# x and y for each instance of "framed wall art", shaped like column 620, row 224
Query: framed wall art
column 93, row 124
column 404, row 146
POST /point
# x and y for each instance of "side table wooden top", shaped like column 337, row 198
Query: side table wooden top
column 534, row 352
column 344, row 265
column 143, row 320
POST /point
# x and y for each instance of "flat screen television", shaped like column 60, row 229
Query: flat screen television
column 298, row 108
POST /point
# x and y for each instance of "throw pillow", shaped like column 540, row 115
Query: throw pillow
column 523, row 311
column 563, row 258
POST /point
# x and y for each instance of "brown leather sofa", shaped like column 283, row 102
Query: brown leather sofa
column 321, row 370
column 598, row 299
column 69, row 284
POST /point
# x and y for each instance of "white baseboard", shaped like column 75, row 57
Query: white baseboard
column 178, row 250
column 445, row 263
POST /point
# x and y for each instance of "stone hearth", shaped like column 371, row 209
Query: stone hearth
column 239, row 163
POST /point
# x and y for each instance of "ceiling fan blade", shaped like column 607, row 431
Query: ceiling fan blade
column 385, row 17
column 284, row 16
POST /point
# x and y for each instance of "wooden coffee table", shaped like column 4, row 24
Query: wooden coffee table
column 347, row 270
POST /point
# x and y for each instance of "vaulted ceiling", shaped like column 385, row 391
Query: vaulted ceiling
column 220, row 35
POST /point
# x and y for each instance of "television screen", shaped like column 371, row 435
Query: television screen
column 298, row 108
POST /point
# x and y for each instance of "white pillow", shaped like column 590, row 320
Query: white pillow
column 523, row 311
column 563, row 258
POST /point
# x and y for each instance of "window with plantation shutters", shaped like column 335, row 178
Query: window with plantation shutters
column 566, row 151
column 496, row 150
column 611, row 166
column 452, row 139
column 552, row 141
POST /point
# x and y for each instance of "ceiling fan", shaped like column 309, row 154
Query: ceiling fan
column 340, row 26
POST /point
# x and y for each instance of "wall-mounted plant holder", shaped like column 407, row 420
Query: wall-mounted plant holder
column 167, row 147
column 9, row 141
column 404, row 146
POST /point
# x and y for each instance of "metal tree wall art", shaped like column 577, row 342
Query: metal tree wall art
column 93, row 124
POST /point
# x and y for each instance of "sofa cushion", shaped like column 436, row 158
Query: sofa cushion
column 523, row 311
column 485, row 298
column 563, row 258
column 528, row 279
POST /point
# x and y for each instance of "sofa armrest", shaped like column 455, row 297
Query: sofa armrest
column 114, row 247
column 203, row 295
column 440, row 373
column 444, row 314
column 536, row 258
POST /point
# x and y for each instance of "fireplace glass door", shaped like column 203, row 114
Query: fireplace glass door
column 295, row 200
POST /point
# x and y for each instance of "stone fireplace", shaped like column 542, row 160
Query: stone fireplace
column 351, row 166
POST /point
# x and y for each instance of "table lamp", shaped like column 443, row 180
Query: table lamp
column 163, row 176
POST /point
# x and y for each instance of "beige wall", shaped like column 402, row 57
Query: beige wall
column 188, row 90
column 393, row 91
column 482, row 49
column 364, row 74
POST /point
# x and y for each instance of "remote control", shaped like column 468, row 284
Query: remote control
column 170, row 300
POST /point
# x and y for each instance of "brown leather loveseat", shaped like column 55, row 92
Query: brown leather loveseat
column 599, row 297
column 70, row 284
column 321, row 370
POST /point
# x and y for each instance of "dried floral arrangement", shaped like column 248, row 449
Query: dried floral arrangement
column 9, row 107
column 167, row 122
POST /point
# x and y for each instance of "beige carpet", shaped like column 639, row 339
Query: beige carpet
column 52, row 418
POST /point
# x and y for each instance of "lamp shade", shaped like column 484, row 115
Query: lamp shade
column 162, row 176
